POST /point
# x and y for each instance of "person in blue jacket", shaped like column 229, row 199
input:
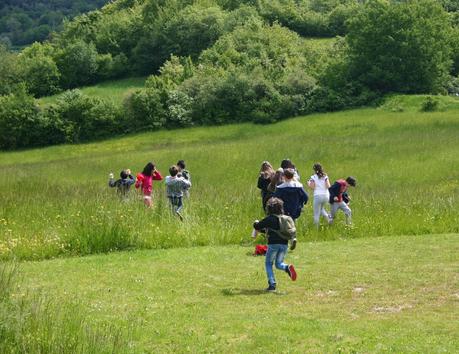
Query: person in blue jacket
column 292, row 193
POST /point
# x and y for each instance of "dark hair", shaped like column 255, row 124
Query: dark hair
column 289, row 173
column 352, row 181
column 173, row 170
column 275, row 206
column 276, row 180
column 148, row 169
column 123, row 174
column 181, row 164
column 318, row 170
column 286, row 163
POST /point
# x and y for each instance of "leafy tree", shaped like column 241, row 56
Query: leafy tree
column 400, row 47
column 19, row 120
column 9, row 71
column 77, row 63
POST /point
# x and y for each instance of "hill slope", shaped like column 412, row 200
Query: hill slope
column 56, row 201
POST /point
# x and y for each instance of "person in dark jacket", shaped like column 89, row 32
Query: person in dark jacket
column 123, row 184
column 277, row 246
column 338, row 194
column 292, row 194
column 264, row 179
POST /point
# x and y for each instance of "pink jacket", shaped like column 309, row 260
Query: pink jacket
column 146, row 182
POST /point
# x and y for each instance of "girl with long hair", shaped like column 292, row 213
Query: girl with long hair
column 320, row 183
column 145, row 182
column 264, row 179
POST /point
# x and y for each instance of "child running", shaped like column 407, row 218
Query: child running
column 292, row 194
column 183, row 172
column 145, row 181
column 337, row 190
column 264, row 179
column 175, row 188
column 287, row 163
column 277, row 245
column 319, row 183
column 123, row 184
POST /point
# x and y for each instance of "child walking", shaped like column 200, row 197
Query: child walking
column 277, row 245
column 292, row 194
column 337, row 190
column 319, row 183
column 123, row 184
column 145, row 182
column 264, row 179
column 176, row 186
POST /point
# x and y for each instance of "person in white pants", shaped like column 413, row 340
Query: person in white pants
column 320, row 183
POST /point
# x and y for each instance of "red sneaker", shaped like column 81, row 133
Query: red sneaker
column 291, row 272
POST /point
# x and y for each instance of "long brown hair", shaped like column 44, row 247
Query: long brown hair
column 276, row 180
column 318, row 169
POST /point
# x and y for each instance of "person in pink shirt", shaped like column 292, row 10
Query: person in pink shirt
column 145, row 182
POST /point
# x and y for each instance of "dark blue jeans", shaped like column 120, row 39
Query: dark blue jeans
column 176, row 204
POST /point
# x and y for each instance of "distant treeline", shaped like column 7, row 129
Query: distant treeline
column 23, row 22
column 220, row 61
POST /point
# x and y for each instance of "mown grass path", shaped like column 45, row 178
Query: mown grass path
column 390, row 294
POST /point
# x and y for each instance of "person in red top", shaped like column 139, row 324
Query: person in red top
column 336, row 198
column 145, row 181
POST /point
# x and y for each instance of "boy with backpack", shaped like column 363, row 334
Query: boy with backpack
column 339, row 199
column 123, row 184
column 292, row 194
column 176, row 186
column 280, row 229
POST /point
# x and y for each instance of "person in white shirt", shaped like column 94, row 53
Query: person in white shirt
column 175, row 187
column 320, row 183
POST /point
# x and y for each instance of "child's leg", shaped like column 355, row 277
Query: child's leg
column 323, row 211
column 347, row 211
column 179, row 204
column 147, row 201
column 271, row 255
column 333, row 209
column 280, row 257
column 317, row 206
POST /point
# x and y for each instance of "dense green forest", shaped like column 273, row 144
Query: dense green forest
column 220, row 61
column 24, row 22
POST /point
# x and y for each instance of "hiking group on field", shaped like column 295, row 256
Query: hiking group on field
column 283, row 198
column 177, row 184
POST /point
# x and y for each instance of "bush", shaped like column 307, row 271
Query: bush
column 20, row 124
column 83, row 118
column 430, row 104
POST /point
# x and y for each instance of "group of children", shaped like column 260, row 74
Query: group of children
column 178, row 184
column 283, row 198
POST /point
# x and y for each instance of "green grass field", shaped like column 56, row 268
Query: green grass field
column 392, row 294
column 55, row 201
column 359, row 293
column 114, row 90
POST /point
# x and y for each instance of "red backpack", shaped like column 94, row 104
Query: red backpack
column 260, row 250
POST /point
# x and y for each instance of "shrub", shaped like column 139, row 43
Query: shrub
column 19, row 121
column 430, row 104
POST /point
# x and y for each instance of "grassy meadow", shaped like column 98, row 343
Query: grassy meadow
column 371, row 295
column 114, row 90
column 56, row 202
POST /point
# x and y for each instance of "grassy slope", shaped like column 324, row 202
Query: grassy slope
column 115, row 90
column 55, row 200
column 392, row 294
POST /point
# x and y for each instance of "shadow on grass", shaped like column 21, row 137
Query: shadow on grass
column 249, row 292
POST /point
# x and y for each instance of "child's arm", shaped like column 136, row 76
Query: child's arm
column 157, row 176
column 312, row 184
column 111, row 180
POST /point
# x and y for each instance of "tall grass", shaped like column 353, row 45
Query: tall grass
column 34, row 323
column 56, row 201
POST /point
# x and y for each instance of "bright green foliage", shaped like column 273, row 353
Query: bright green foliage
column 9, row 71
column 77, row 63
column 19, row 121
column 402, row 47
column 39, row 70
